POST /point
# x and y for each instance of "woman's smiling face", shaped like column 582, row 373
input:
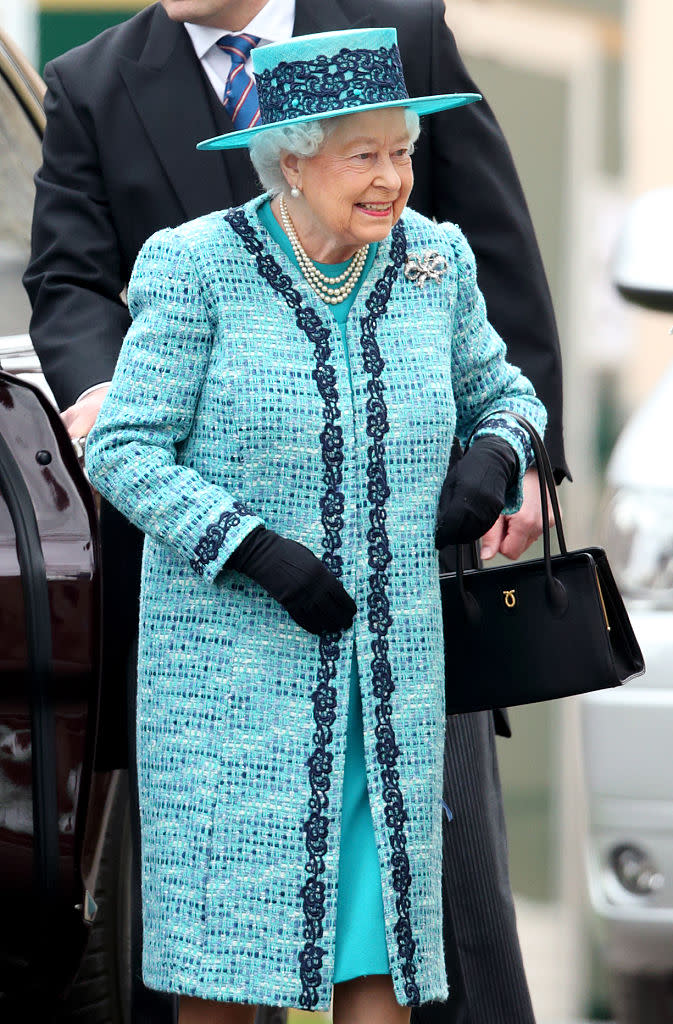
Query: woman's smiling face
column 355, row 189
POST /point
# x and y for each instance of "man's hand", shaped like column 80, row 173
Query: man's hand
column 80, row 417
column 512, row 535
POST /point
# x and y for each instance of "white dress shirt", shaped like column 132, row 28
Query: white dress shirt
column 273, row 24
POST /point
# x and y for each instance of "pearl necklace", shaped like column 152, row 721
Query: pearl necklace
column 322, row 284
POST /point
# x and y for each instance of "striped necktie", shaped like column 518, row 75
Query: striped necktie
column 240, row 95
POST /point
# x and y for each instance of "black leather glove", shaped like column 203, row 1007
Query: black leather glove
column 473, row 493
column 292, row 574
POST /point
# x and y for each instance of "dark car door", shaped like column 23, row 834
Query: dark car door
column 49, row 619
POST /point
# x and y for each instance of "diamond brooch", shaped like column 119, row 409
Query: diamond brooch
column 428, row 267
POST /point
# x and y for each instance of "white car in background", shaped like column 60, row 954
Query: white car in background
column 628, row 732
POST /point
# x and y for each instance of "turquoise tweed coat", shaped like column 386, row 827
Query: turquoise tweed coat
column 231, row 406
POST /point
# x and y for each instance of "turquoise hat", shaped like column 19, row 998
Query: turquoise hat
column 330, row 74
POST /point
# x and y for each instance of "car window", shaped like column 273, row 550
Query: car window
column 20, row 156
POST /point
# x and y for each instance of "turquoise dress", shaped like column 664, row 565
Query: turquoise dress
column 360, row 929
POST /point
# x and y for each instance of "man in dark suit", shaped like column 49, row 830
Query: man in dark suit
column 124, row 113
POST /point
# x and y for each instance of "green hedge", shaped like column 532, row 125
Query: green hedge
column 61, row 30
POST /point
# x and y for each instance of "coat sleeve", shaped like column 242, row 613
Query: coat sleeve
column 132, row 451
column 474, row 184
column 485, row 385
column 74, row 277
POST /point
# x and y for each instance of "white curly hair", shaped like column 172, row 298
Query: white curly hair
column 301, row 140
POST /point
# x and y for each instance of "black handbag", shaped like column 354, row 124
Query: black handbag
column 538, row 630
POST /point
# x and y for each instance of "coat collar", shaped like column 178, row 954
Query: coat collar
column 168, row 89
column 390, row 255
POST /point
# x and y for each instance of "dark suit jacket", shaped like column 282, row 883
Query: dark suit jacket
column 124, row 113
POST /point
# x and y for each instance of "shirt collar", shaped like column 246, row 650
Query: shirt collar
column 273, row 24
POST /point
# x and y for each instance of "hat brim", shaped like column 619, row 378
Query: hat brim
column 421, row 105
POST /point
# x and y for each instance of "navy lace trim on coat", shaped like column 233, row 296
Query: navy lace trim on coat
column 379, row 615
column 502, row 422
column 349, row 78
column 209, row 545
column 324, row 696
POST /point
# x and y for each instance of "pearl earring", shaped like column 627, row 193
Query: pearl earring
column 294, row 192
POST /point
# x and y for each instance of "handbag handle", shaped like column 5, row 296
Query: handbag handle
column 555, row 589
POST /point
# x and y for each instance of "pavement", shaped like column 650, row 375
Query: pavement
column 550, row 950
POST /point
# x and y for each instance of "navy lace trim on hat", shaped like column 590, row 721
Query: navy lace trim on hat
column 379, row 616
column 209, row 545
column 350, row 78
column 324, row 696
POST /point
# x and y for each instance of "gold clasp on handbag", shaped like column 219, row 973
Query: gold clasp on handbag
column 602, row 599
column 510, row 598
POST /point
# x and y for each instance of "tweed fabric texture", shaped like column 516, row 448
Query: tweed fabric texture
column 230, row 407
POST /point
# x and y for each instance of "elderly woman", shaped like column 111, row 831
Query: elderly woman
column 280, row 424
